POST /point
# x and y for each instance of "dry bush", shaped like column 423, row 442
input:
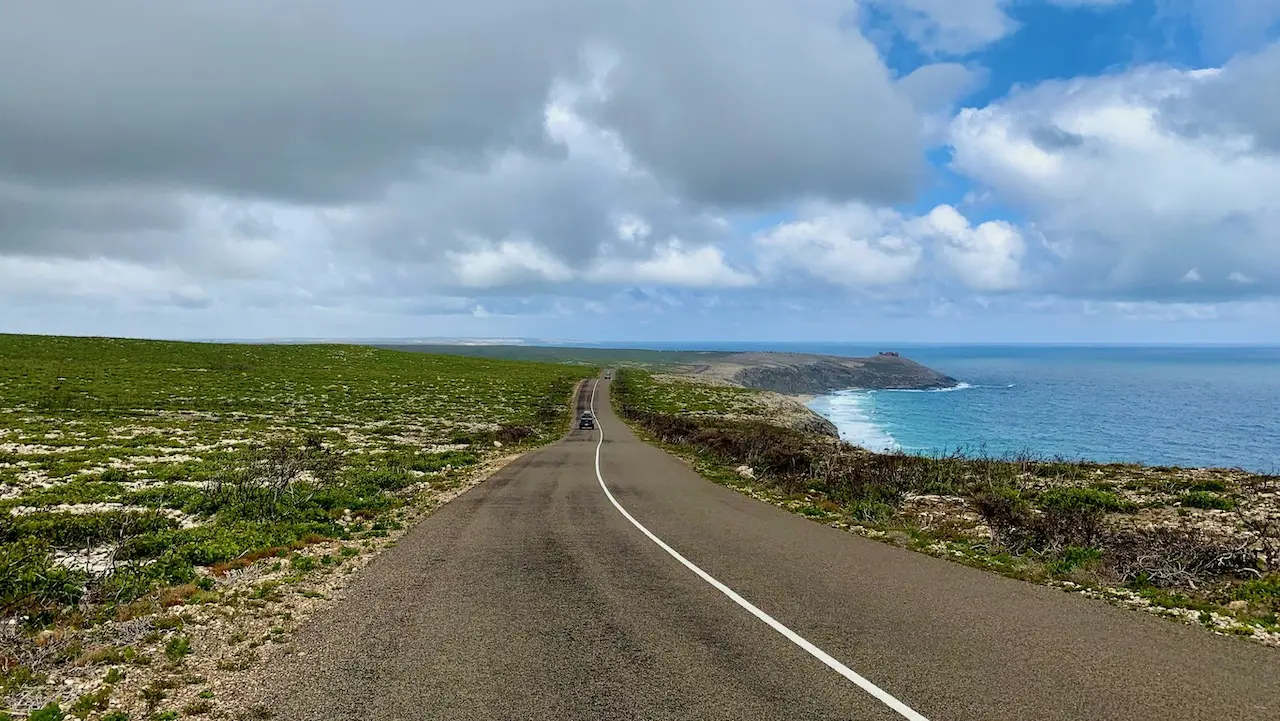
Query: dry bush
column 1018, row 527
column 1265, row 529
column 38, row 653
column 1177, row 557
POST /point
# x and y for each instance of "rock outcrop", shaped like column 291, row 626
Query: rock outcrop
column 801, row 374
column 818, row 425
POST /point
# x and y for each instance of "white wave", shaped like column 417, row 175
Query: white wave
column 962, row 386
column 853, row 413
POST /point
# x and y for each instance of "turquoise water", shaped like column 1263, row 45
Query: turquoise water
column 1187, row 406
column 1163, row 406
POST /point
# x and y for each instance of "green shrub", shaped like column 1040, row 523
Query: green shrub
column 1003, row 507
column 30, row 581
column 132, row 581
column 429, row 462
column 1071, row 558
column 113, row 475
column 77, row 530
column 90, row 702
column 1262, row 591
column 1064, row 499
column 1212, row 485
column 177, row 647
column 386, row 479
column 868, row 511
column 51, row 712
column 217, row 542
column 170, row 495
column 1206, row 500
column 70, row 492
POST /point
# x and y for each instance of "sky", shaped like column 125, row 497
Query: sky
column 665, row 170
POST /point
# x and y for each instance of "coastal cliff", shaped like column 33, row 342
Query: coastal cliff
column 805, row 374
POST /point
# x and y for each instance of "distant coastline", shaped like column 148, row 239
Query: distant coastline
column 1191, row 407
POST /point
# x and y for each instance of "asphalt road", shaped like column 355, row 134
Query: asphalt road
column 533, row 597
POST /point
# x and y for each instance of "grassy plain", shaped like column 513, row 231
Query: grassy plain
column 140, row 477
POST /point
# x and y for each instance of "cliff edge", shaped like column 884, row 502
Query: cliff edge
column 806, row 374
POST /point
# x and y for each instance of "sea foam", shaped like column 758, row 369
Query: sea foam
column 853, row 413
column 962, row 386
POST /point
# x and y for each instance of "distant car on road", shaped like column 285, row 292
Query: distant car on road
column 586, row 421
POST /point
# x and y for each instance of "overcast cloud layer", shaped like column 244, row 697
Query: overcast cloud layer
column 629, row 168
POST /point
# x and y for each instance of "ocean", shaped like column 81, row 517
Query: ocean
column 1201, row 406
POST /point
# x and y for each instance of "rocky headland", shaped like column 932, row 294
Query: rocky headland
column 802, row 374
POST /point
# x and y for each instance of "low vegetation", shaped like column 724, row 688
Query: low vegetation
column 140, row 477
column 1199, row 544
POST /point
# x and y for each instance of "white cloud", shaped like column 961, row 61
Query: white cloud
column 1124, row 190
column 858, row 246
column 604, row 153
column 853, row 245
column 986, row 258
column 562, row 150
column 510, row 262
column 672, row 264
column 96, row 280
column 632, row 228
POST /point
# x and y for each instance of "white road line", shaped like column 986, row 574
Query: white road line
column 880, row 694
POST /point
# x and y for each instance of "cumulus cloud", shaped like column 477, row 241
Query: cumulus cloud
column 500, row 159
column 588, row 213
column 986, row 258
column 413, row 151
column 510, row 262
column 1128, row 190
column 852, row 245
column 859, row 246
column 1234, row 97
column 328, row 104
column 751, row 102
column 672, row 264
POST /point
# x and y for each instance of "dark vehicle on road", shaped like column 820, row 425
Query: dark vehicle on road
column 586, row 421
